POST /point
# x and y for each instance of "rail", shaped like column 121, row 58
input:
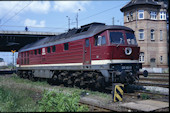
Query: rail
column 2, row 72
column 155, row 79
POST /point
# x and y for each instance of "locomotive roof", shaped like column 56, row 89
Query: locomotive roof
column 85, row 31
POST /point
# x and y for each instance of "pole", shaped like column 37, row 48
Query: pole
column 112, row 86
column 13, row 61
column 13, row 51
column 77, row 18
column 68, row 22
column 113, row 20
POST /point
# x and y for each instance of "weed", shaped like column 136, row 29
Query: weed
column 60, row 102
column 145, row 96
column 14, row 100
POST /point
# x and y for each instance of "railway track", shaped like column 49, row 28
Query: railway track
column 95, row 108
column 155, row 79
column 7, row 71
column 140, row 94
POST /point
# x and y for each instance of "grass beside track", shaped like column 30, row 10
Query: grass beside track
column 43, row 83
column 23, row 95
column 16, row 100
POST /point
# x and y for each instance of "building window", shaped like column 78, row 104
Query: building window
column 66, row 46
column 141, row 57
column 27, row 54
column 152, row 60
column 162, row 15
column 31, row 52
column 161, row 38
column 128, row 17
column 53, row 49
column 35, row 52
column 141, row 34
column 153, row 15
column 48, row 50
column 39, row 51
column 141, row 14
column 131, row 16
column 161, row 59
column 152, row 34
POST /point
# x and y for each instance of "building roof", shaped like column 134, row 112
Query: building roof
column 139, row 2
column 85, row 31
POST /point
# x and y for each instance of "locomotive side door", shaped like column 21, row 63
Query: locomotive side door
column 87, row 52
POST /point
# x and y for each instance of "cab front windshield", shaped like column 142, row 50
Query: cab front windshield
column 116, row 38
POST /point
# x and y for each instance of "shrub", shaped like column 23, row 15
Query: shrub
column 60, row 102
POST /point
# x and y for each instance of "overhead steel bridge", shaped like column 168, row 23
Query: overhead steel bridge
column 14, row 40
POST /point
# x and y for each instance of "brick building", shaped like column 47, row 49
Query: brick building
column 148, row 18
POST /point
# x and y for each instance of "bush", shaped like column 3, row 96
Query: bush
column 60, row 102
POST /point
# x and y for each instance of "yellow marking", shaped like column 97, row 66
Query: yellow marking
column 116, row 94
column 120, row 90
column 13, row 51
column 118, row 97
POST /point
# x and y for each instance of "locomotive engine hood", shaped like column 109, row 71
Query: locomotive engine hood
column 73, row 34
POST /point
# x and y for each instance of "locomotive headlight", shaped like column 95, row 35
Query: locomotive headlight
column 128, row 50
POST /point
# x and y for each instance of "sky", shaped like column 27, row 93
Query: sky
column 53, row 16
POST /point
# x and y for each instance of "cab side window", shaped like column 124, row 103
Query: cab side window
column 100, row 40
column 87, row 42
column 103, row 40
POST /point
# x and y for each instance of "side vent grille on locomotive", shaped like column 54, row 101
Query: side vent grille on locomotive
column 82, row 30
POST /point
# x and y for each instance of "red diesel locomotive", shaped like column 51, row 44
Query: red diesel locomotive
column 92, row 56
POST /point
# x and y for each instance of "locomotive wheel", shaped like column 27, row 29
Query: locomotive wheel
column 19, row 73
column 70, row 83
column 100, row 83
column 62, row 76
column 90, row 80
column 31, row 77
column 53, row 81
column 65, row 81
column 25, row 75
column 76, row 79
column 77, row 82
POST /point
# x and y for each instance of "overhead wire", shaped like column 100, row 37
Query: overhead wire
column 10, row 11
column 70, row 23
column 16, row 13
column 98, row 13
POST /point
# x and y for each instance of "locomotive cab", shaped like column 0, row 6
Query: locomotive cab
column 121, row 53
